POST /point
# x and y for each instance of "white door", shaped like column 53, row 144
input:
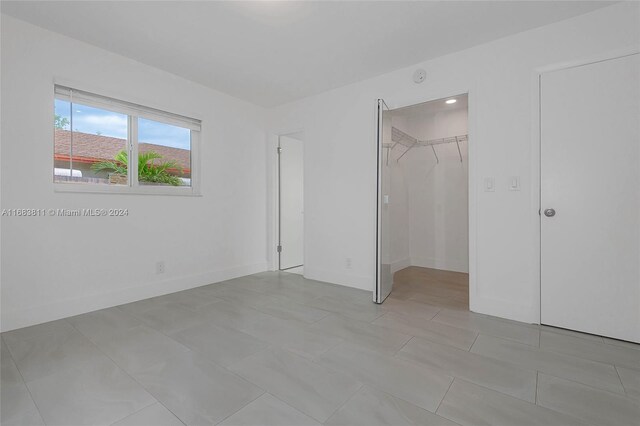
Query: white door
column 590, row 176
column 291, row 202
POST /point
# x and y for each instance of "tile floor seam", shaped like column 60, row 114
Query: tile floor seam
column 611, row 364
column 432, row 340
column 46, row 375
column 340, row 372
column 445, row 395
column 591, row 388
column 207, row 321
column 548, row 351
column 378, row 316
column 398, row 398
column 449, row 372
column 343, row 404
column 244, row 379
column 312, row 360
column 430, row 321
column 35, row 404
column 403, row 345
column 377, row 389
column 294, row 408
column 319, row 319
column 228, row 368
column 474, row 342
column 529, row 325
column 219, row 366
column 537, row 370
column 409, row 361
column 128, row 375
column 478, row 331
column 306, row 323
column 519, row 400
column 619, row 395
column 539, row 335
column 141, row 325
column 241, row 408
column 615, row 367
column 536, row 393
column 144, row 408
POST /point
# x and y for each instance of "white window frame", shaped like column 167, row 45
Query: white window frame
column 133, row 112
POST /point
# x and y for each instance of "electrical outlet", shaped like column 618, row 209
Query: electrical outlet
column 160, row 267
column 348, row 262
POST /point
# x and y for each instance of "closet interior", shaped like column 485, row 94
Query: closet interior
column 424, row 203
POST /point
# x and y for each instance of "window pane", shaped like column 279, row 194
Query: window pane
column 95, row 150
column 62, row 167
column 164, row 153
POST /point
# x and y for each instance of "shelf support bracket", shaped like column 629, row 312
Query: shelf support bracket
column 408, row 149
column 436, row 155
column 459, row 152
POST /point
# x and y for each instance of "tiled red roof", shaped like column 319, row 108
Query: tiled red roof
column 90, row 148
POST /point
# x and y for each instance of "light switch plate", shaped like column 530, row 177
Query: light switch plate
column 514, row 183
column 489, row 184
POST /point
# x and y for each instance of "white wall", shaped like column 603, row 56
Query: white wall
column 56, row 267
column 438, row 193
column 340, row 155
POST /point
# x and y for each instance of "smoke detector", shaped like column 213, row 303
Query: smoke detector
column 419, row 76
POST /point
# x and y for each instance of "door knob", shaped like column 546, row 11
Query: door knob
column 549, row 212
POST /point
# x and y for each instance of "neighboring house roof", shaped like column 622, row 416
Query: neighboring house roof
column 88, row 148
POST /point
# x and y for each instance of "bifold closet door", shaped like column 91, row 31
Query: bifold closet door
column 590, row 198
column 291, row 203
column 384, row 278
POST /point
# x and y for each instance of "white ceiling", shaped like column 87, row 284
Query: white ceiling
column 271, row 53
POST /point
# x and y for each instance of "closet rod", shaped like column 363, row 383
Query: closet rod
column 450, row 139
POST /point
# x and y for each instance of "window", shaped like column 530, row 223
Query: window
column 105, row 145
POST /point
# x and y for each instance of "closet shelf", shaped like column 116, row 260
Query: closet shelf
column 450, row 139
column 398, row 137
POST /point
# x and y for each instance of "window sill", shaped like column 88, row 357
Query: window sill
column 126, row 190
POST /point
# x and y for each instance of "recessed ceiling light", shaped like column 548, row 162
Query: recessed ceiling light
column 451, row 101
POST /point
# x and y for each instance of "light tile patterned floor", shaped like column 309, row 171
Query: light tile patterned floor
column 277, row 349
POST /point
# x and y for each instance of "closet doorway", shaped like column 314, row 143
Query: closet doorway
column 423, row 203
column 291, row 203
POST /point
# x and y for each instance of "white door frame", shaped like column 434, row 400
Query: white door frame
column 273, row 212
column 536, row 141
column 473, row 183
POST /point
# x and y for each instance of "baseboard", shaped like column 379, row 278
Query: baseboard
column 455, row 265
column 505, row 309
column 13, row 319
column 400, row 264
column 347, row 280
